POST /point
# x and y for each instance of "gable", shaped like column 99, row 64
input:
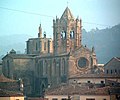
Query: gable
column 114, row 62
column 82, row 51
column 7, row 56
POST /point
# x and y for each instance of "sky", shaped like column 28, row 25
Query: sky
column 24, row 16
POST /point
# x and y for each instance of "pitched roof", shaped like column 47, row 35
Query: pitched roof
column 94, row 76
column 5, row 79
column 6, row 93
column 67, row 14
column 22, row 56
column 19, row 56
column 71, row 89
column 36, row 98
column 9, row 84
column 115, row 61
column 12, row 51
column 51, row 55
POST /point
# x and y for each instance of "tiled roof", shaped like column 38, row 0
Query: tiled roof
column 6, row 93
column 19, row 56
column 51, row 55
column 94, row 76
column 9, row 84
column 71, row 89
column 37, row 98
column 4, row 79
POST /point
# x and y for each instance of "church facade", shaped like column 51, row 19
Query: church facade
column 52, row 62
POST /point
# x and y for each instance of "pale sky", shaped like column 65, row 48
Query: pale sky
column 104, row 12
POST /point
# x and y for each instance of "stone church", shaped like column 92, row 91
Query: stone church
column 50, row 62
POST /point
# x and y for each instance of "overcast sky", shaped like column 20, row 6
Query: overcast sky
column 104, row 12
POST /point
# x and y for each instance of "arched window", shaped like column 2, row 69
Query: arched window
column 46, row 67
column 8, row 67
column 50, row 68
column 58, row 67
column 40, row 45
column 107, row 71
column 41, row 67
column 38, row 70
column 63, row 66
column 115, row 71
column 111, row 71
column 63, row 34
column 49, row 46
column 36, row 46
column 45, row 46
column 54, row 64
column 71, row 34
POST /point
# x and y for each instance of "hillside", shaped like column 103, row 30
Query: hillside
column 105, row 41
column 16, row 42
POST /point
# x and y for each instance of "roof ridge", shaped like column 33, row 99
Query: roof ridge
column 117, row 58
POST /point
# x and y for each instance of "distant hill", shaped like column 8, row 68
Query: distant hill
column 17, row 42
column 105, row 41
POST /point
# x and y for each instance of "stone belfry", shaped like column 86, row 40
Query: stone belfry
column 66, row 33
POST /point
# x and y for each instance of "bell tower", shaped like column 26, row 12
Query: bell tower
column 66, row 33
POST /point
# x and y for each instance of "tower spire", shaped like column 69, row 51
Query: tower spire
column 67, row 14
column 40, row 31
column 67, row 3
